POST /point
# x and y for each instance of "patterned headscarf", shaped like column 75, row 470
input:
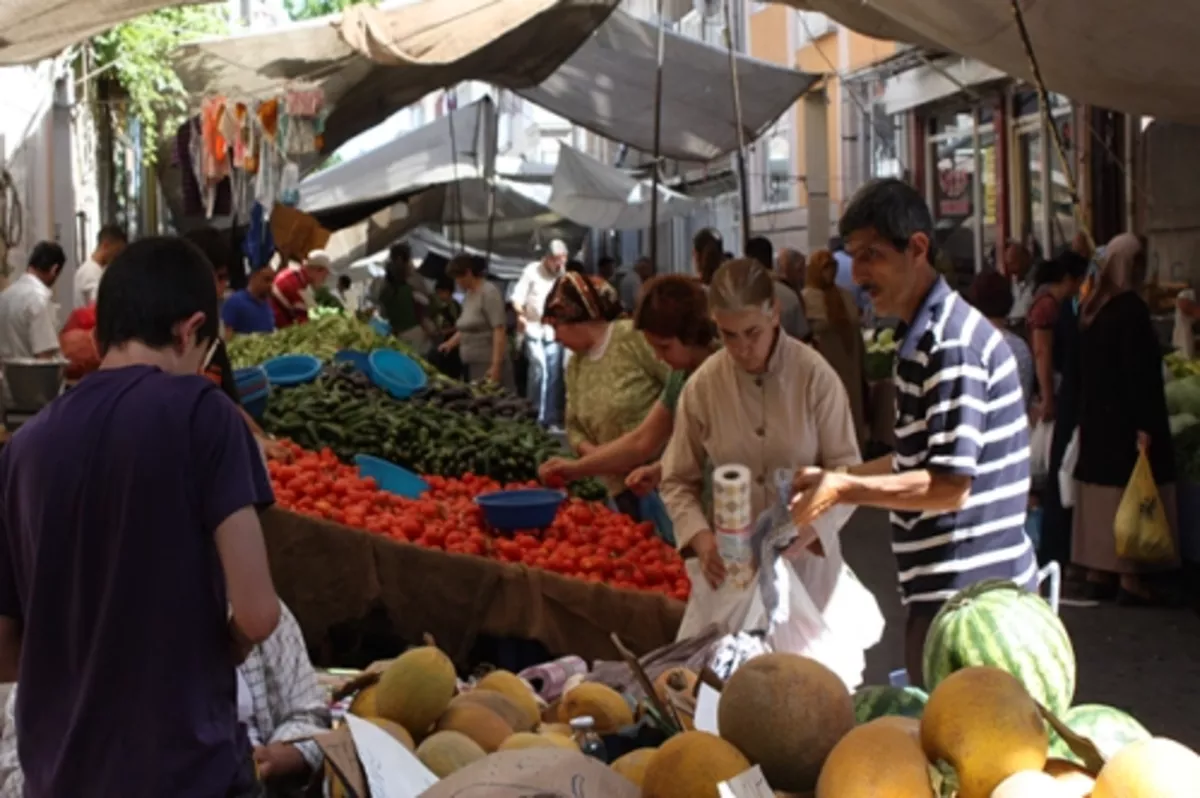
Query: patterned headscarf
column 1121, row 270
column 578, row 298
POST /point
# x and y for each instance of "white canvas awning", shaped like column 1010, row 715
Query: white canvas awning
column 607, row 86
column 372, row 61
column 1134, row 56
column 594, row 194
column 31, row 30
column 458, row 146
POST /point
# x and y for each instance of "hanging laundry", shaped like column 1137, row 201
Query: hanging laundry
column 259, row 244
column 193, row 197
column 304, row 122
column 289, row 185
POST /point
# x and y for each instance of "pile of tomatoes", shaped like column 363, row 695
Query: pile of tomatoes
column 587, row 540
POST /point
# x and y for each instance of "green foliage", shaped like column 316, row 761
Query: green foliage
column 310, row 9
column 137, row 55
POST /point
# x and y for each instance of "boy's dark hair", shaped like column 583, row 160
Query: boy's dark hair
column 154, row 284
column 112, row 233
column 46, row 257
column 762, row 250
column 893, row 209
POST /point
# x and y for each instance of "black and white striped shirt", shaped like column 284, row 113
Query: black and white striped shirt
column 960, row 410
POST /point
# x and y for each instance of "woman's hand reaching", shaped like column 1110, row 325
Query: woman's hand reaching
column 643, row 480
column 704, row 544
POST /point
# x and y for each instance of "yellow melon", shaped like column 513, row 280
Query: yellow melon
column 515, row 689
column 1155, row 768
column 447, row 751
column 523, row 740
column 633, row 765
column 601, row 703
column 563, row 729
column 499, row 703
column 691, row 765
column 363, row 704
column 880, row 759
column 983, row 723
column 416, row 688
column 477, row 722
column 786, row 713
column 396, row 730
column 1077, row 781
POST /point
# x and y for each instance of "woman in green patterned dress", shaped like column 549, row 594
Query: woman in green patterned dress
column 613, row 379
column 673, row 317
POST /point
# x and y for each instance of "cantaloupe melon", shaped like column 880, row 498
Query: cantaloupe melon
column 447, row 751
column 600, row 702
column 785, row 713
column 515, row 689
column 633, row 765
column 396, row 730
column 1078, row 783
column 416, row 688
column 556, row 728
column 477, row 722
column 363, row 704
column 523, row 740
column 878, row 759
column 499, row 703
column 1155, row 768
column 982, row 722
column 692, row 765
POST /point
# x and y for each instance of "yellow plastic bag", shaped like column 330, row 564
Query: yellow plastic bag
column 1141, row 527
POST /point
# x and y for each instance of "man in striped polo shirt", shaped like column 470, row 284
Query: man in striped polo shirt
column 958, row 481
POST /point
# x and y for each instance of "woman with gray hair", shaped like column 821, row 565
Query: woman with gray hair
column 768, row 402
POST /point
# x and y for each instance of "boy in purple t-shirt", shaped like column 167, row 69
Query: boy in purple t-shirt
column 128, row 527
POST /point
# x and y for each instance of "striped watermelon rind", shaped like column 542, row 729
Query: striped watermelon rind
column 883, row 701
column 1110, row 729
column 998, row 623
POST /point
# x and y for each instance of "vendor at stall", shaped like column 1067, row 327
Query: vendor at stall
column 28, row 323
column 673, row 318
column 249, row 310
column 958, row 482
column 481, row 335
column 293, row 290
column 613, row 381
column 767, row 402
column 280, row 702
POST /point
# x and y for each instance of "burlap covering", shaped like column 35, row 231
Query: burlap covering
column 329, row 574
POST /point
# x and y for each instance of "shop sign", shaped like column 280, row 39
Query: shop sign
column 954, row 196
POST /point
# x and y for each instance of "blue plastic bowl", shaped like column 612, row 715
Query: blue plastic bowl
column 250, row 380
column 256, row 403
column 361, row 360
column 530, row 508
column 380, row 326
column 397, row 373
column 390, row 476
column 292, row 369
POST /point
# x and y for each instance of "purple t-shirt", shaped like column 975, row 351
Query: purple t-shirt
column 109, row 499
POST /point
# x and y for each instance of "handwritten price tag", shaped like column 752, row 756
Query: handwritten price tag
column 392, row 770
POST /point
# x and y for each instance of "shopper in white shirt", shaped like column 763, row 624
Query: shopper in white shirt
column 109, row 243
column 545, row 383
column 28, row 313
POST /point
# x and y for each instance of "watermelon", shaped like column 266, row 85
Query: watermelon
column 878, row 702
column 1108, row 728
column 999, row 624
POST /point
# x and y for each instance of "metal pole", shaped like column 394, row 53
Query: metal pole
column 491, row 175
column 737, row 115
column 658, row 88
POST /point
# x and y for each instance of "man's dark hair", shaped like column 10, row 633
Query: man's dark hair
column 46, row 257
column 400, row 252
column 1069, row 263
column 215, row 246
column 991, row 294
column 893, row 209
column 606, row 262
column 112, row 234
column 154, row 284
column 444, row 282
column 762, row 250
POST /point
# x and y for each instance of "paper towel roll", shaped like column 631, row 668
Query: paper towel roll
column 732, row 511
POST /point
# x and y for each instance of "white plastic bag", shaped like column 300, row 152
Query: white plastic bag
column 1066, row 472
column 1041, row 437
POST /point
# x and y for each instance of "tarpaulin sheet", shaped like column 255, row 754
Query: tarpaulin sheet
column 1138, row 57
column 597, row 195
column 31, row 30
column 372, row 61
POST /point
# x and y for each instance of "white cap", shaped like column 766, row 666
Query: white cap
column 318, row 258
column 558, row 249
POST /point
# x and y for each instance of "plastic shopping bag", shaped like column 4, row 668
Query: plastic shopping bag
column 1066, row 471
column 1141, row 527
column 1041, row 437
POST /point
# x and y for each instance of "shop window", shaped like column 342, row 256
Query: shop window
column 778, row 175
column 888, row 137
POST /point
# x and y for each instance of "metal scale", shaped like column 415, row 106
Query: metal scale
column 29, row 385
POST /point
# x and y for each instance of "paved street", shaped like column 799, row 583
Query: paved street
column 1146, row 662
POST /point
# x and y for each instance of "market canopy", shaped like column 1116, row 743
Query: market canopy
column 454, row 147
column 34, row 29
column 597, row 195
column 607, row 86
column 1138, row 57
column 372, row 61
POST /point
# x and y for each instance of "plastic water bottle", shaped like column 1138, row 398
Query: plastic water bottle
column 584, row 731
